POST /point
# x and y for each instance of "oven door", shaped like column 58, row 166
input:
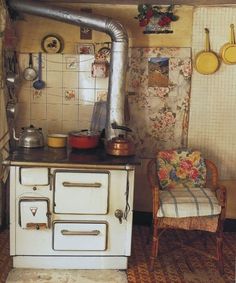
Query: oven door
column 81, row 192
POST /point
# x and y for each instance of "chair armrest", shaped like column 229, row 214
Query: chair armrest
column 221, row 193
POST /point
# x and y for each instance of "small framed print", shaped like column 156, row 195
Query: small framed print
column 85, row 49
column 86, row 32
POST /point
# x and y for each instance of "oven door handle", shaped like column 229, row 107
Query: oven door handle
column 82, row 185
column 80, row 233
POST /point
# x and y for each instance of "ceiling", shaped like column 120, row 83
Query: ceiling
column 156, row 2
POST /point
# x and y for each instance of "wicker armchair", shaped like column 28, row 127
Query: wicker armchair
column 186, row 195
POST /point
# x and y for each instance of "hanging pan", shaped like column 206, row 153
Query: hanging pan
column 228, row 50
column 30, row 73
column 206, row 61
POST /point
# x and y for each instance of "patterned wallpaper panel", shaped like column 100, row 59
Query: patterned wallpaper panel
column 213, row 97
column 158, row 87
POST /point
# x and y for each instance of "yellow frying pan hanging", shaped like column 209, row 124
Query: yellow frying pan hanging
column 228, row 50
column 206, row 61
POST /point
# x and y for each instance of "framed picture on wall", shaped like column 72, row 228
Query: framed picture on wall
column 87, row 48
column 158, row 72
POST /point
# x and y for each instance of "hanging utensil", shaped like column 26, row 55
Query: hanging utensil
column 228, row 50
column 39, row 84
column 30, row 73
column 12, row 77
column 206, row 61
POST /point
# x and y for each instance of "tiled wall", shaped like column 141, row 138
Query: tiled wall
column 66, row 102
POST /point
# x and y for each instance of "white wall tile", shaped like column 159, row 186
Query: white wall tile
column 54, row 95
column 70, row 112
column 85, row 62
column 54, row 126
column 54, row 111
column 54, row 79
column 24, row 111
column 86, row 96
column 86, row 80
column 54, row 62
column 70, row 79
column 85, row 116
column 38, row 111
column 68, row 126
column 102, row 83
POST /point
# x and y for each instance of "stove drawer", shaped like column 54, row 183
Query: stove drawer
column 34, row 176
column 79, row 236
column 79, row 192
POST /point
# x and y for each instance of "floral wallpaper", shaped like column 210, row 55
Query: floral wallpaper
column 159, row 114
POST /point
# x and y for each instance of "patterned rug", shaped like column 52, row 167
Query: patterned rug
column 171, row 265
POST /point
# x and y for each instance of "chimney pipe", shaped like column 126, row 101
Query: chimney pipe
column 119, row 49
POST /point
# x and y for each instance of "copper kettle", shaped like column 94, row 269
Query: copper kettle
column 120, row 145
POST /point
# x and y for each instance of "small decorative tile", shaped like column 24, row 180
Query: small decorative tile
column 38, row 95
column 71, row 63
column 101, row 95
column 70, row 95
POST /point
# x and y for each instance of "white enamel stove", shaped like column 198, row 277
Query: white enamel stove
column 71, row 217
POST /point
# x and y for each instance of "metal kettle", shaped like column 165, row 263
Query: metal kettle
column 30, row 137
column 120, row 145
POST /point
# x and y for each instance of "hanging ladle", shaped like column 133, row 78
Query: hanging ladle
column 39, row 84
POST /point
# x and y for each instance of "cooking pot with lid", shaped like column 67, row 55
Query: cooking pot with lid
column 30, row 137
column 84, row 139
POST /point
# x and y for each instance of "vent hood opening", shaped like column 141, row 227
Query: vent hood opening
column 119, row 49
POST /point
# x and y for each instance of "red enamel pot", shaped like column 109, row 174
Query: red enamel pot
column 83, row 139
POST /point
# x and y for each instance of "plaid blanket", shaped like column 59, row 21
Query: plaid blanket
column 188, row 202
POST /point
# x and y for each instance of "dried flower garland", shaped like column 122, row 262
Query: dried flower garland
column 147, row 11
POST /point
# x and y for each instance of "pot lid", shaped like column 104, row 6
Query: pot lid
column 31, row 129
column 83, row 133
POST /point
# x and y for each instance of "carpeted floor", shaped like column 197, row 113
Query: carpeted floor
column 170, row 267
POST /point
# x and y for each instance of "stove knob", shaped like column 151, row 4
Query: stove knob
column 119, row 214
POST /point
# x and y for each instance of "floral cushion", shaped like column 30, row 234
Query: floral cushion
column 181, row 169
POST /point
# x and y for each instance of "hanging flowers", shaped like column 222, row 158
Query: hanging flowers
column 157, row 17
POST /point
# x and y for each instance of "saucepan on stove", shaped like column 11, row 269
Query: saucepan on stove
column 83, row 139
